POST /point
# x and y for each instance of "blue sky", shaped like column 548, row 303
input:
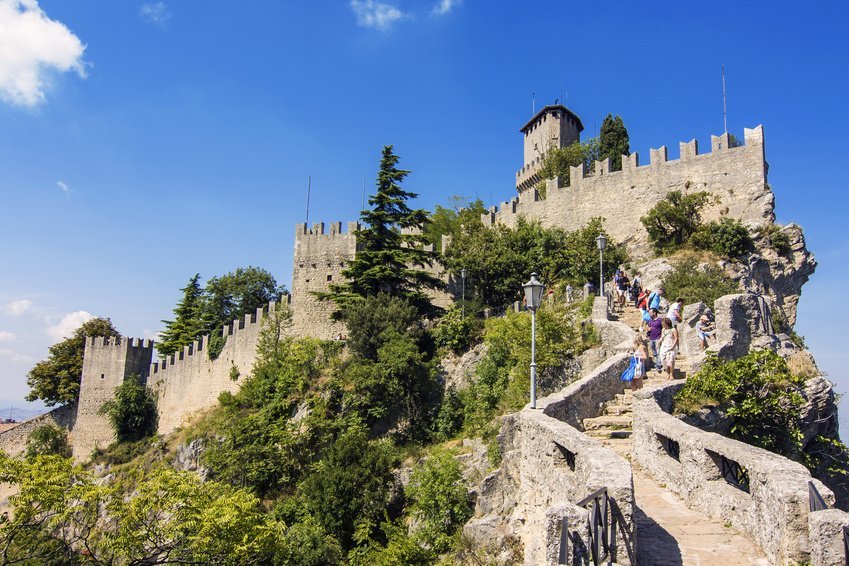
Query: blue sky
column 146, row 141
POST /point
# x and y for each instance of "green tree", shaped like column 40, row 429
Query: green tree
column 672, row 221
column 131, row 411
column 448, row 221
column 190, row 321
column 389, row 258
column 57, row 379
column 728, row 238
column 439, row 500
column 238, row 293
column 613, row 141
column 696, row 282
column 557, row 161
column 46, row 440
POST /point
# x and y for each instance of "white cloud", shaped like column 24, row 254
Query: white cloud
column 64, row 188
column 7, row 336
column 12, row 356
column 445, row 6
column 65, row 327
column 371, row 14
column 31, row 47
column 155, row 13
column 17, row 308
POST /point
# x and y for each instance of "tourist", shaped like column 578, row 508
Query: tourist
column 655, row 331
column 569, row 293
column 668, row 347
column 705, row 329
column 643, row 305
column 635, row 291
column 675, row 312
column 641, row 354
column 622, row 290
column 654, row 299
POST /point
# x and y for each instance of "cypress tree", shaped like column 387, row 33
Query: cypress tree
column 390, row 256
column 613, row 141
column 189, row 322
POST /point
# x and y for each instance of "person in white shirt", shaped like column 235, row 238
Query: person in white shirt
column 674, row 313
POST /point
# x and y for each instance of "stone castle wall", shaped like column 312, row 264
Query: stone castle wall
column 14, row 440
column 737, row 175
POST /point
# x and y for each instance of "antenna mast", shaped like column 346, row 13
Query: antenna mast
column 363, row 205
column 309, row 188
column 533, row 103
column 724, row 110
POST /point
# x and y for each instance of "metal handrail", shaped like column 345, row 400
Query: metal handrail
column 598, row 525
column 815, row 500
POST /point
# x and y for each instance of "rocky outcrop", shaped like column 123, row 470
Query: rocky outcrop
column 458, row 371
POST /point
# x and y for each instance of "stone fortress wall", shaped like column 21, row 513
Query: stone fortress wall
column 736, row 175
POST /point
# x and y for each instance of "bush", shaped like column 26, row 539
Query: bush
column 728, row 238
column 132, row 411
column 777, row 239
column 672, row 221
column 454, row 332
column 48, row 440
column 439, row 500
column 695, row 282
column 757, row 392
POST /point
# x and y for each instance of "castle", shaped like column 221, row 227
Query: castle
column 188, row 381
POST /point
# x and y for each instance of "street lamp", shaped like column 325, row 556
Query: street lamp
column 463, row 304
column 533, row 297
column 601, row 242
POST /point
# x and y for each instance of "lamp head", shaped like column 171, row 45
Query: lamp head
column 533, row 292
column 601, row 242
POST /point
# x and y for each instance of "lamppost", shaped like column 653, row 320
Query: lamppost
column 463, row 304
column 601, row 242
column 533, row 297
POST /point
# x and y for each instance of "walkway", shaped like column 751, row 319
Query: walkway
column 668, row 532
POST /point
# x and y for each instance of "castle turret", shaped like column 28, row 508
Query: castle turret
column 107, row 363
column 554, row 126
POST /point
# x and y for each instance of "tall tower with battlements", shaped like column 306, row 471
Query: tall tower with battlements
column 554, row 126
column 107, row 363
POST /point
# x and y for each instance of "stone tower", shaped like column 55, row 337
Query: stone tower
column 553, row 126
column 107, row 363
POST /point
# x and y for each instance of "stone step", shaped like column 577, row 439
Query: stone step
column 613, row 422
column 608, row 434
column 618, row 409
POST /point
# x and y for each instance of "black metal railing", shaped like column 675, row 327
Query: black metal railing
column 671, row 447
column 815, row 500
column 846, row 544
column 566, row 455
column 598, row 525
column 734, row 473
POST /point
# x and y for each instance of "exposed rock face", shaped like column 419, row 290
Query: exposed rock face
column 780, row 277
column 458, row 371
column 188, row 458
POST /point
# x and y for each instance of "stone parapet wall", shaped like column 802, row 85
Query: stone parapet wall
column 825, row 530
column 773, row 513
column 14, row 441
column 736, row 175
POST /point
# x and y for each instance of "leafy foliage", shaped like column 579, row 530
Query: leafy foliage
column 454, row 332
column 48, row 440
column 131, row 411
column 777, row 239
column 695, row 282
column 613, row 141
column 439, row 500
column 62, row 516
column 390, row 258
column 56, row 380
column 757, row 392
column 190, row 320
column 557, row 161
column 448, row 221
column 672, row 221
column 728, row 238
column 499, row 260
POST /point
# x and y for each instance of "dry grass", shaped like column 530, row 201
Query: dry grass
column 802, row 364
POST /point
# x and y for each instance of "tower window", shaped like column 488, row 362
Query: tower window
column 330, row 278
column 102, row 375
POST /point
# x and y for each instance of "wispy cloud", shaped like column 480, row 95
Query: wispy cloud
column 64, row 188
column 65, row 327
column 444, row 6
column 377, row 15
column 12, row 356
column 33, row 46
column 17, row 308
column 155, row 13
column 7, row 336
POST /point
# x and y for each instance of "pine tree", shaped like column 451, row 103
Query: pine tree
column 390, row 256
column 613, row 141
column 189, row 322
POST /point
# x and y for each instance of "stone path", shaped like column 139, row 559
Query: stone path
column 669, row 533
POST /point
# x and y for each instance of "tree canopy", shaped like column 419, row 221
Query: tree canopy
column 390, row 256
column 56, row 380
column 557, row 160
column 613, row 141
column 672, row 221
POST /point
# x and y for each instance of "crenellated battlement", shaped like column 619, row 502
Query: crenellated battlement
column 123, row 342
column 319, row 229
column 737, row 175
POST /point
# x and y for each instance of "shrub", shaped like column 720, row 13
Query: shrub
column 439, row 500
column 48, row 440
column 132, row 411
column 454, row 332
column 695, row 282
column 777, row 239
column 728, row 238
column 672, row 221
column 757, row 392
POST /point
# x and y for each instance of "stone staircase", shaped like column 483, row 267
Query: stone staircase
column 669, row 533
